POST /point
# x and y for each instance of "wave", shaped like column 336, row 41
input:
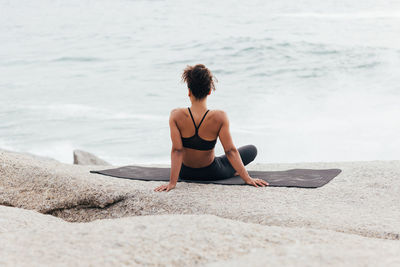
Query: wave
column 79, row 111
column 6, row 146
column 77, row 59
column 59, row 150
column 367, row 65
column 376, row 15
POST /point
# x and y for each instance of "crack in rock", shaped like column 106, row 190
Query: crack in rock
column 57, row 211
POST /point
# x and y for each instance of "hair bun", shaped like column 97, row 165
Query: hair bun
column 199, row 79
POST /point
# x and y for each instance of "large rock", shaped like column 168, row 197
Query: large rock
column 364, row 199
column 85, row 158
column 30, row 154
column 29, row 238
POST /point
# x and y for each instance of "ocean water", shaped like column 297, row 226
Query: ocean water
column 303, row 80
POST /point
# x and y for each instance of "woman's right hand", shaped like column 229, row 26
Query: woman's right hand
column 256, row 182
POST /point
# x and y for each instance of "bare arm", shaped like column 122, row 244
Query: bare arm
column 176, row 150
column 233, row 154
column 176, row 155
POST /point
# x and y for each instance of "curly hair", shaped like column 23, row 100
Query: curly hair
column 199, row 80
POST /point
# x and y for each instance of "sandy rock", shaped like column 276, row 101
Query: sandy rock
column 42, row 158
column 32, row 239
column 85, row 158
column 364, row 199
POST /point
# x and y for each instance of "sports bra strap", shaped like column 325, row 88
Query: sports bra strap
column 192, row 118
column 203, row 118
column 197, row 127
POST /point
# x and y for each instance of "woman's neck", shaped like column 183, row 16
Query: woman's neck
column 199, row 105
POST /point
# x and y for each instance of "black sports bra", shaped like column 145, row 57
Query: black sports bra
column 196, row 142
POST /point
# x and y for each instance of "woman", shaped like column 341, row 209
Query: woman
column 192, row 154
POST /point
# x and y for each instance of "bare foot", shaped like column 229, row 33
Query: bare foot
column 235, row 174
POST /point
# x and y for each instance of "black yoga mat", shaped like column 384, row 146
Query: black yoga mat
column 305, row 178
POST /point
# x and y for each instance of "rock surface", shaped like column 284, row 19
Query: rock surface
column 85, row 158
column 31, row 239
column 364, row 199
column 42, row 158
column 356, row 211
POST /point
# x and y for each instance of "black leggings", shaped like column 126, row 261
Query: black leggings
column 220, row 168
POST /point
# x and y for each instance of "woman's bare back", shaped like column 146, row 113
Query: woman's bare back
column 208, row 130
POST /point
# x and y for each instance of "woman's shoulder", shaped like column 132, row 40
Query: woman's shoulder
column 176, row 112
column 219, row 114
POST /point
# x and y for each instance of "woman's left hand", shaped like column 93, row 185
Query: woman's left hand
column 165, row 187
